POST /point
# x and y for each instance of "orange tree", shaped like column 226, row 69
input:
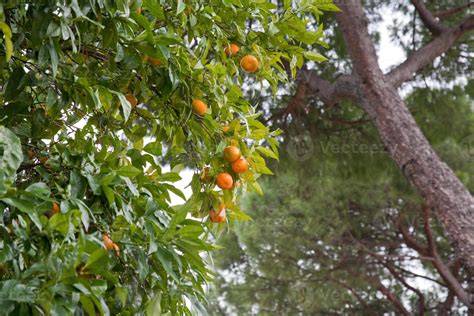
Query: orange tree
column 96, row 96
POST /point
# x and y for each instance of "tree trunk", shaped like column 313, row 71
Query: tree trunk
column 432, row 178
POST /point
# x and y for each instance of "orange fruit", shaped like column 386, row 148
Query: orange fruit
column 249, row 63
column 132, row 99
column 108, row 243
column 225, row 129
column 240, row 165
column 232, row 50
column 43, row 160
column 154, row 61
column 117, row 249
column 224, row 181
column 55, row 209
column 231, row 153
column 218, row 217
column 199, row 106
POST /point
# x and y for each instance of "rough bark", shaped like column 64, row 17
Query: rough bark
column 432, row 178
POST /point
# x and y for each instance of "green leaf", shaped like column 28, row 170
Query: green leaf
column 153, row 307
column 128, row 171
column 109, row 194
column 26, row 207
column 15, row 84
column 122, row 294
column 154, row 148
column 166, row 259
column 53, row 54
column 11, row 155
column 126, row 106
column 170, row 177
column 155, row 8
column 256, row 186
column 181, row 6
column 314, row 56
column 267, row 152
column 98, row 260
column 87, row 305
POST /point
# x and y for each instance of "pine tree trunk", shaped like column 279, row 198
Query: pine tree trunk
column 432, row 178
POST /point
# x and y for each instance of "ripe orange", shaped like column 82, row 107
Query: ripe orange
column 117, row 249
column 240, row 166
column 249, row 63
column 231, row 153
column 199, row 106
column 154, row 61
column 225, row 129
column 218, row 217
column 232, row 50
column 224, row 181
column 55, row 209
column 132, row 99
column 108, row 243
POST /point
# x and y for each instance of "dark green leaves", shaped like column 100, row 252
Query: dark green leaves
column 11, row 157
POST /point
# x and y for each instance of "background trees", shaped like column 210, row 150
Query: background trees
column 341, row 230
column 96, row 99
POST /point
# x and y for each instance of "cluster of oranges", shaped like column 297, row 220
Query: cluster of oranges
column 225, row 181
column 249, row 63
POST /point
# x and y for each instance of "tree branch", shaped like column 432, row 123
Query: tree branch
column 427, row 18
column 446, row 306
column 451, row 281
column 330, row 93
column 426, row 54
column 453, row 11
column 399, row 277
column 411, row 242
column 390, row 296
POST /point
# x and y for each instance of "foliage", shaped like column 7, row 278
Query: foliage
column 71, row 136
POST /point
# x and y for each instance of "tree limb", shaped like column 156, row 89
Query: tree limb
column 401, row 279
column 451, row 281
column 453, row 11
column 390, row 296
column 426, row 54
column 330, row 93
column 446, row 306
column 431, row 23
